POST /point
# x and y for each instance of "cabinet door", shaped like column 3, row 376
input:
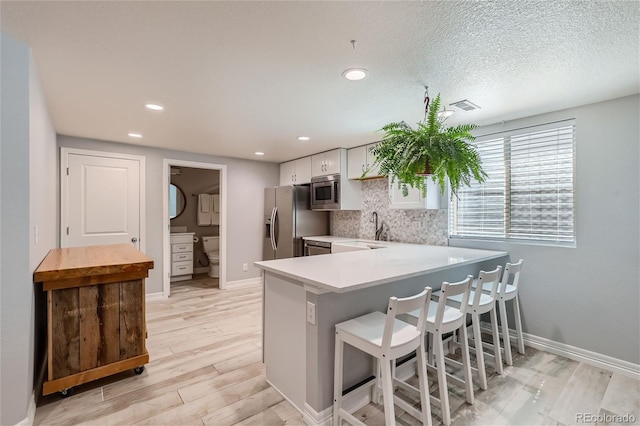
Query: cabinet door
column 332, row 162
column 302, row 172
column 374, row 169
column 287, row 172
column 356, row 162
column 397, row 200
column 414, row 199
column 318, row 165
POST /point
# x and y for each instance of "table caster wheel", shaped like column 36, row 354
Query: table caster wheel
column 66, row 393
column 139, row 370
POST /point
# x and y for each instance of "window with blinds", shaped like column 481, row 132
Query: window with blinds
column 529, row 192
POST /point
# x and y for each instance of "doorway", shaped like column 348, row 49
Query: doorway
column 190, row 197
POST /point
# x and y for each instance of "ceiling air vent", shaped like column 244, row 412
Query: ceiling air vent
column 465, row 105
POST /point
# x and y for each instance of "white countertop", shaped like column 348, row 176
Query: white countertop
column 354, row 270
column 329, row 238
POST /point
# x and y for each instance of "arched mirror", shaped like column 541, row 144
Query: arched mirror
column 177, row 201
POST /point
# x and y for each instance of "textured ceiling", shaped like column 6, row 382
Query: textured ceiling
column 239, row 77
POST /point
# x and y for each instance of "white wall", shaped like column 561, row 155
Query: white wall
column 246, row 181
column 589, row 296
column 27, row 194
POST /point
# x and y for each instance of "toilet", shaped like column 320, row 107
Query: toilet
column 211, row 246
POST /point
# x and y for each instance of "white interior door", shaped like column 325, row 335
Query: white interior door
column 101, row 199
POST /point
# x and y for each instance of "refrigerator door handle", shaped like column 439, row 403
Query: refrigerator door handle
column 272, row 228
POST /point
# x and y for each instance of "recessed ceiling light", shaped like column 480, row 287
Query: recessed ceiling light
column 259, row 153
column 154, row 107
column 355, row 74
column 135, row 135
column 303, row 138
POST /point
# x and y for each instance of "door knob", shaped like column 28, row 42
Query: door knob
column 134, row 240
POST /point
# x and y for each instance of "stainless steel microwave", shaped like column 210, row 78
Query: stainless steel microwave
column 325, row 192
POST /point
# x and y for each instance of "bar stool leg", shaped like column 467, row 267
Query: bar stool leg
column 425, row 403
column 430, row 353
column 466, row 364
column 505, row 332
column 387, row 393
column 442, row 379
column 496, row 340
column 375, row 394
column 477, row 342
column 337, row 381
column 516, row 311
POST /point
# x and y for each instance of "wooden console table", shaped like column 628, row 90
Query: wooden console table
column 95, row 313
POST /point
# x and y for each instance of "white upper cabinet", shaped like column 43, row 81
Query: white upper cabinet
column 356, row 162
column 296, row 172
column 374, row 169
column 287, row 172
column 303, row 170
column 326, row 163
column 360, row 159
column 414, row 199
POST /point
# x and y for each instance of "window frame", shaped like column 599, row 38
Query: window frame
column 508, row 212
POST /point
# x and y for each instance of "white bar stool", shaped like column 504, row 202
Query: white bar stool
column 386, row 338
column 443, row 319
column 508, row 291
column 481, row 303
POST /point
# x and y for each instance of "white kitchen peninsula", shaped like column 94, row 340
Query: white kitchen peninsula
column 304, row 297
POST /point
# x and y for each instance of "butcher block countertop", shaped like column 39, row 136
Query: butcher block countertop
column 74, row 263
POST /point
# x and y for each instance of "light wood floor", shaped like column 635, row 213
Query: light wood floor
column 205, row 368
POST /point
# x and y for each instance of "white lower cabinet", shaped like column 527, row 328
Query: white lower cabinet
column 414, row 199
column 181, row 256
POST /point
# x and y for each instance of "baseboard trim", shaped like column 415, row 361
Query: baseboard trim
column 249, row 282
column 203, row 270
column 150, row 297
column 285, row 397
column 577, row 354
column 31, row 413
column 356, row 401
column 312, row 418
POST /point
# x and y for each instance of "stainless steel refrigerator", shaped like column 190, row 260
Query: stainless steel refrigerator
column 288, row 218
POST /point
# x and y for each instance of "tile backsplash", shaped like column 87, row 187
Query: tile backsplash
column 407, row 226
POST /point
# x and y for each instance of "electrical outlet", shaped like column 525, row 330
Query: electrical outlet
column 35, row 235
column 245, row 267
column 311, row 313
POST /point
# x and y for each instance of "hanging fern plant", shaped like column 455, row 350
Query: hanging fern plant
column 407, row 155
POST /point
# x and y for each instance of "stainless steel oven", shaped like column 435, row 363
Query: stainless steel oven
column 312, row 247
column 325, row 192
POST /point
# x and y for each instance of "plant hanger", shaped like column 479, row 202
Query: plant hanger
column 408, row 155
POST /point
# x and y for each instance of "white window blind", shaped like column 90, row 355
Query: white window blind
column 528, row 194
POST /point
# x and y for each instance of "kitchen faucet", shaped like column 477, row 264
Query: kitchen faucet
column 375, row 223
